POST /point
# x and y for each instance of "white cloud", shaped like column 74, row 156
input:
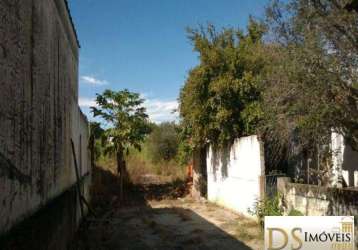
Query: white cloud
column 85, row 102
column 160, row 110
column 92, row 80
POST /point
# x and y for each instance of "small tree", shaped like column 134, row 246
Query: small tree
column 127, row 124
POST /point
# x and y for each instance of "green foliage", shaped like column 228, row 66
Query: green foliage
column 163, row 142
column 220, row 99
column 267, row 207
column 95, row 130
column 126, row 119
column 185, row 153
column 311, row 82
column 97, row 136
column 270, row 207
column 166, row 144
column 295, row 212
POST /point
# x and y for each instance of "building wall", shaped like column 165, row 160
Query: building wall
column 39, row 111
column 235, row 174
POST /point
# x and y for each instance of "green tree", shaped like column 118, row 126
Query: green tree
column 127, row 124
column 221, row 96
column 163, row 142
column 311, row 82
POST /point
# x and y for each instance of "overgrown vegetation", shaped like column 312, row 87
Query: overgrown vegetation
column 220, row 99
column 163, row 142
column 311, row 81
column 267, row 207
column 270, row 206
column 292, row 79
column 161, row 153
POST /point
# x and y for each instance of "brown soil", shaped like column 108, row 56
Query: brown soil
column 163, row 216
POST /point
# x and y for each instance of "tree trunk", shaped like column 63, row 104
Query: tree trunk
column 122, row 171
column 92, row 151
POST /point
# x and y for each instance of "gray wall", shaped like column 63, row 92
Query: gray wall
column 317, row 200
column 39, row 113
column 314, row 200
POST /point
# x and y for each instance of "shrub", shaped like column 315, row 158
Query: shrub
column 295, row 212
column 267, row 207
column 163, row 142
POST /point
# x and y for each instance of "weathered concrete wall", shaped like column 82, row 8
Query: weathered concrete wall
column 312, row 200
column 39, row 113
column 315, row 200
column 235, row 174
column 52, row 227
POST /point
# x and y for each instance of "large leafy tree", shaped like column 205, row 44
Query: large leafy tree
column 220, row 99
column 127, row 124
column 311, row 82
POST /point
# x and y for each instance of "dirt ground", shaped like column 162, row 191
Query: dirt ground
column 163, row 216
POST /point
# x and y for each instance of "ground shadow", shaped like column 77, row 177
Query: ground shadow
column 52, row 227
column 105, row 191
column 134, row 224
column 350, row 159
column 166, row 228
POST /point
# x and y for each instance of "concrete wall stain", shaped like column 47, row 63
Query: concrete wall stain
column 11, row 172
column 234, row 173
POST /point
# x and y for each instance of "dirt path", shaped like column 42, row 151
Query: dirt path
column 157, row 218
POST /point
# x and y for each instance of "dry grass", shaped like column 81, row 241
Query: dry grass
column 108, row 164
column 171, row 169
column 104, row 188
column 138, row 166
column 106, row 184
column 249, row 230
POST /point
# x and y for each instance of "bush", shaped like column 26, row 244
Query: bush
column 270, row 207
column 267, row 207
column 185, row 153
column 295, row 212
column 163, row 142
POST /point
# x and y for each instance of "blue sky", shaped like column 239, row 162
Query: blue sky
column 142, row 45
